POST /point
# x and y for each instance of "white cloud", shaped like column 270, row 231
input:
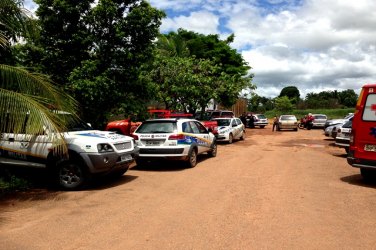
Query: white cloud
column 203, row 22
column 315, row 45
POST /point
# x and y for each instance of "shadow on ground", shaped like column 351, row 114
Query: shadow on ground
column 358, row 180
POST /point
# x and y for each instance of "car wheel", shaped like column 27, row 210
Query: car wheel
column 71, row 175
column 192, row 158
column 295, row 129
column 262, row 126
column 242, row 137
column 347, row 150
column 213, row 151
column 230, row 138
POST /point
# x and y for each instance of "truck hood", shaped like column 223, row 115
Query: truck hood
column 96, row 136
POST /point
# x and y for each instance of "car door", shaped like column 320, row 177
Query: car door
column 235, row 129
column 202, row 136
column 31, row 149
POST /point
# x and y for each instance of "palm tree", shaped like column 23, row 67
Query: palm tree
column 23, row 92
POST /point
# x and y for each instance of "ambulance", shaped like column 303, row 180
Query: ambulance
column 362, row 152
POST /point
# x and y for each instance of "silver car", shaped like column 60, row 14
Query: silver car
column 319, row 120
column 287, row 122
column 343, row 136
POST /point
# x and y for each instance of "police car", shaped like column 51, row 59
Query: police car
column 173, row 139
column 230, row 129
column 89, row 152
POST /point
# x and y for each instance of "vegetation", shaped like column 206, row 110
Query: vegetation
column 184, row 65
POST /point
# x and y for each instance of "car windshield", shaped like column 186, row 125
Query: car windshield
column 74, row 124
column 223, row 122
column 319, row 116
column 156, row 127
column 261, row 117
column 288, row 118
column 347, row 124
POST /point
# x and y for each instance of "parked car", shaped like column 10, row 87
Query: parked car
column 331, row 131
column 91, row 152
column 338, row 121
column 174, row 139
column 259, row 120
column 343, row 136
column 319, row 120
column 211, row 114
column 287, row 122
column 230, row 129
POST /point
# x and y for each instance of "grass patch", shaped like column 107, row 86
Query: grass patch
column 10, row 183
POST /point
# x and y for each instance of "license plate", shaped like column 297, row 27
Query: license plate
column 153, row 143
column 126, row 157
column 371, row 148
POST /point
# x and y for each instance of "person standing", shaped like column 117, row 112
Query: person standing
column 252, row 121
column 275, row 123
column 243, row 118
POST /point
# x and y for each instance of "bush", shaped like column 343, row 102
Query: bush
column 10, row 183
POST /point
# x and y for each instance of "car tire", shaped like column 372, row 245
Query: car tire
column 192, row 158
column 262, row 126
column 71, row 175
column 213, row 151
column 230, row 138
column 242, row 138
column 295, row 129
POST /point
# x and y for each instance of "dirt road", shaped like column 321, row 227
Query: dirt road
column 281, row 190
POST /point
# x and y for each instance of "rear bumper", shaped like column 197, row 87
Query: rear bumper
column 163, row 153
column 360, row 163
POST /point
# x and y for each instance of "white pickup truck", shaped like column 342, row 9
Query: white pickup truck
column 90, row 152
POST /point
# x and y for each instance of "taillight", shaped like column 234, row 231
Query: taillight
column 176, row 137
column 352, row 136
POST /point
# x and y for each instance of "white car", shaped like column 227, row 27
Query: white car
column 90, row 152
column 174, row 139
column 287, row 122
column 319, row 120
column 230, row 129
column 343, row 136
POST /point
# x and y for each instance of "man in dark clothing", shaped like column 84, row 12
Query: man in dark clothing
column 252, row 121
column 244, row 119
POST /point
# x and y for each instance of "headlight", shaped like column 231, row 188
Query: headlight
column 104, row 147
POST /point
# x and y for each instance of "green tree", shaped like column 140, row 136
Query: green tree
column 183, row 83
column 97, row 52
column 23, row 92
column 348, row 98
column 283, row 104
column 227, row 82
column 291, row 92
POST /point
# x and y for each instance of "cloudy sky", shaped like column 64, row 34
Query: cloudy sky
column 315, row 45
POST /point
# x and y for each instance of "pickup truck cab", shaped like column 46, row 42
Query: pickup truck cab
column 89, row 152
column 362, row 152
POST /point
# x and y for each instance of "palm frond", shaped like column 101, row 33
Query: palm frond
column 26, row 100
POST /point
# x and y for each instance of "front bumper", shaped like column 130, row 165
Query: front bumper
column 111, row 161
